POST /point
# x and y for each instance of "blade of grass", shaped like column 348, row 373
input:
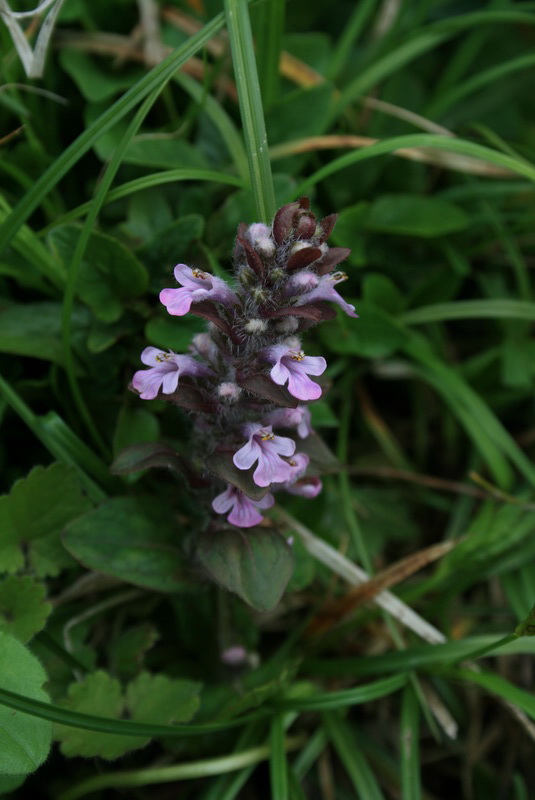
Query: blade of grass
column 327, row 701
column 252, row 115
column 471, row 309
column 421, row 43
column 269, row 19
column 362, row 778
column 409, row 745
column 156, row 77
column 278, row 765
column 470, row 85
column 147, row 182
column 74, row 268
column 44, row 430
column 352, row 30
column 91, row 722
column 176, row 772
column 495, row 684
column 222, row 121
column 416, row 140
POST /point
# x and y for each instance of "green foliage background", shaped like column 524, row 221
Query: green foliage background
column 414, row 120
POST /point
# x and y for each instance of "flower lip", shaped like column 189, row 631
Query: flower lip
column 294, row 367
column 196, row 286
column 269, row 450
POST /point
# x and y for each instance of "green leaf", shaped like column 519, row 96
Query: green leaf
column 382, row 292
column 132, row 539
column 135, row 426
column 128, row 651
column 8, row 783
column 23, row 610
column 255, row 564
column 411, row 215
column 102, row 695
column 34, row 330
column 167, row 334
column 166, row 247
column 373, row 335
column 164, row 153
column 109, row 274
column 32, row 517
column 149, row 698
column 93, row 82
column 24, row 740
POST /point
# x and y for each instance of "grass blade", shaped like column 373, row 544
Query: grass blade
column 269, row 28
column 471, row 309
column 156, row 77
column 278, row 765
column 409, row 746
column 364, row 781
column 326, row 701
column 254, row 128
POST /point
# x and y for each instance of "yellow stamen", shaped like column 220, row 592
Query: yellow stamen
column 197, row 273
column 292, row 463
column 339, row 276
column 297, row 355
column 161, row 357
column 267, row 437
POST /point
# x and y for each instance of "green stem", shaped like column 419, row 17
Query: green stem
column 178, row 772
column 254, row 128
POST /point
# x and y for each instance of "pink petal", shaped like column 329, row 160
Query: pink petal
column 280, row 374
column 300, row 386
column 147, row 382
column 271, row 469
column 224, row 501
column 184, row 275
column 170, row 382
column 247, row 455
column 149, row 356
column 313, row 365
column 244, row 513
column 177, row 301
column 282, row 445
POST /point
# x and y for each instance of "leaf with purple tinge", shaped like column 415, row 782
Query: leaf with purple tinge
column 263, row 385
column 256, row 565
column 303, row 258
column 333, row 257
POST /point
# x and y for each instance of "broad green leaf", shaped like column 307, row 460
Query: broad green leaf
column 164, row 153
column 23, row 608
column 128, row 651
column 24, row 739
column 135, row 426
column 96, row 84
column 133, row 539
column 149, row 698
column 109, row 274
column 34, row 330
column 255, row 564
column 167, row 246
column 412, row 215
column 8, row 783
column 32, row 517
column 167, row 333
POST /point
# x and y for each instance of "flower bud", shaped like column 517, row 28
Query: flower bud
column 255, row 325
column 229, row 391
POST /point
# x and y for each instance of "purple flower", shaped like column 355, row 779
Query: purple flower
column 325, row 291
column 165, row 370
column 263, row 446
column 298, row 463
column 308, row 487
column 260, row 237
column 295, row 367
column 197, row 285
column 292, row 418
column 244, row 511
